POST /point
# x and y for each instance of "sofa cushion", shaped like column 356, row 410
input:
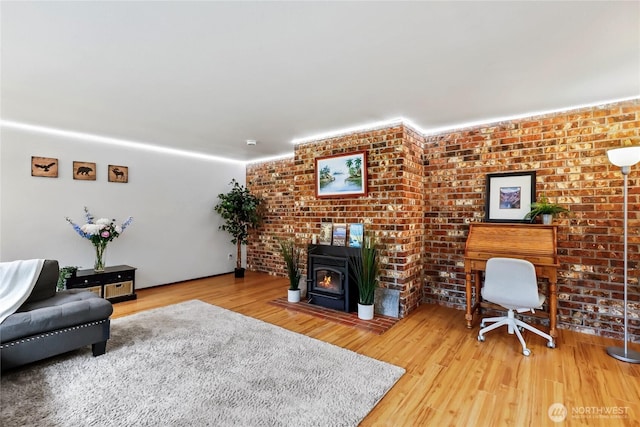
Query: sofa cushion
column 47, row 282
column 66, row 308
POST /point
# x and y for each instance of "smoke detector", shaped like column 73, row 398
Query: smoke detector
column 251, row 142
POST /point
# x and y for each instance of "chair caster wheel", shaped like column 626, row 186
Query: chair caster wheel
column 526, row 352
column 551, row 344
column 480, row 338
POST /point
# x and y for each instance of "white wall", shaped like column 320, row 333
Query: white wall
column 174, row 235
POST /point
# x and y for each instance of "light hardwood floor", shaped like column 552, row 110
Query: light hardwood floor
column 451, row 378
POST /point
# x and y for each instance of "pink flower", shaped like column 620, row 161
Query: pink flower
column 105, row 234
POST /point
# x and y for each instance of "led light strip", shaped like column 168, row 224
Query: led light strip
column 114, row 141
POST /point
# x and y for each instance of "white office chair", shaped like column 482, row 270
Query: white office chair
column 512, row 283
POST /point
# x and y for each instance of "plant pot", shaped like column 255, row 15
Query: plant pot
column 547, row 219
column 365, row 312
column 239, row 273
column 293, row 296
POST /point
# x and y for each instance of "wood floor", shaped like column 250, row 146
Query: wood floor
column 451, row 378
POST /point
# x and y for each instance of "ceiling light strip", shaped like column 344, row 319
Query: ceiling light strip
column 114, row 141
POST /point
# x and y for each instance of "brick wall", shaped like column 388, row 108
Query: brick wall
column 568, row 153
column 392, row 210
column 424, row 191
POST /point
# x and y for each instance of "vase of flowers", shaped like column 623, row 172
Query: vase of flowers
column 100, row 232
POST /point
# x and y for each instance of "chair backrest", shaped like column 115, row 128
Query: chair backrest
column 511, row 283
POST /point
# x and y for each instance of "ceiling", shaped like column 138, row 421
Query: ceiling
column 206, row 76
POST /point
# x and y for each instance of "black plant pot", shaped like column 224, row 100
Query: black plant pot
column 239, row 272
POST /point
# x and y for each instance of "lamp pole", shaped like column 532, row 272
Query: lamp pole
column 625, row 158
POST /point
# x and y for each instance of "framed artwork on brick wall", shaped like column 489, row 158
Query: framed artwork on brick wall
column 342, row 175
column 509, row 196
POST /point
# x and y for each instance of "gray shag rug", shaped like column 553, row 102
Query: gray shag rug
column 195, row 364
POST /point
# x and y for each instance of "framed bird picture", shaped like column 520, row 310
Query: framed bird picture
column 44, row 166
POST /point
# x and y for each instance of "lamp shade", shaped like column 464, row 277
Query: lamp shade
column 626, row 156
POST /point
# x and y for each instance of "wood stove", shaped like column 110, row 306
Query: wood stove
column 329, row 282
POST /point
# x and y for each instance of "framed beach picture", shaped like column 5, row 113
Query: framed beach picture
column 509, row 196
column 356, row 235
column 343, row 175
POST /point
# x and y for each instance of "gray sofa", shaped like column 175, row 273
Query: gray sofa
column 51, row 323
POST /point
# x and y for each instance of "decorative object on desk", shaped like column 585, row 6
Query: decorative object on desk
column 339, row 234
column 241, row 211
column 625, row 158
column 118, row 173
column 63, row 274
column 44, row 166
column 545, row 209
column 292, row 256
column 366, row 268
column 509, row 196
column 342, row 175
column 326, row 233
column 99, row 232
column 85, row 171
column 356, row 234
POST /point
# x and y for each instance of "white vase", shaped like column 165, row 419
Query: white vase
column 365, row 312
column 293, row 296
column 547, row 219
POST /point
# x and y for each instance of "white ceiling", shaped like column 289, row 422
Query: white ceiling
column 206, row 76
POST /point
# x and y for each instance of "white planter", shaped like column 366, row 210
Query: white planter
column 293, row 296
column 365, row 312
column 547, row 219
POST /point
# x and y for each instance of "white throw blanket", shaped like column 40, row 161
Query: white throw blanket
column 17, row 279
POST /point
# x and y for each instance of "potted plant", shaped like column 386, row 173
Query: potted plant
column 241, row 212
column 292, row 256
column 63, row 274
column 546, row 209
column 366, row 268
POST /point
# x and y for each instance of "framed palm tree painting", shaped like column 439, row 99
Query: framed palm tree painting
column 342, row 175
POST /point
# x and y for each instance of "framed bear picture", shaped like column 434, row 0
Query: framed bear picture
column 85, row 171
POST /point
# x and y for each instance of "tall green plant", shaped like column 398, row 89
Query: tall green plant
column 292, row 256
column 366, row 269
column 241, row 211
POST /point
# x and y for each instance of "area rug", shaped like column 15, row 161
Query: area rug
column 195, row 364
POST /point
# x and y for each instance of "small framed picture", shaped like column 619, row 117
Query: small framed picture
column 356, row 235
column 44, row 166
column 339, row 234
column 509, row 196
column 118, row 173
column 85, row 171
column 326, row 232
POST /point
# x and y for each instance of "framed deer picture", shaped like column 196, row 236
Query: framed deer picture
column 118, row 173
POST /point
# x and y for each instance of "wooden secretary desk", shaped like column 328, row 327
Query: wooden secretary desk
column 535, row 243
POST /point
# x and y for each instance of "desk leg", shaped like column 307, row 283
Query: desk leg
column 469, row 316
column 553, row 308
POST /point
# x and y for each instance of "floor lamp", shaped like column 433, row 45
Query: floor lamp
column 624, row 158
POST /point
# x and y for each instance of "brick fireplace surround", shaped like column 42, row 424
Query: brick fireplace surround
column 425, row 190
